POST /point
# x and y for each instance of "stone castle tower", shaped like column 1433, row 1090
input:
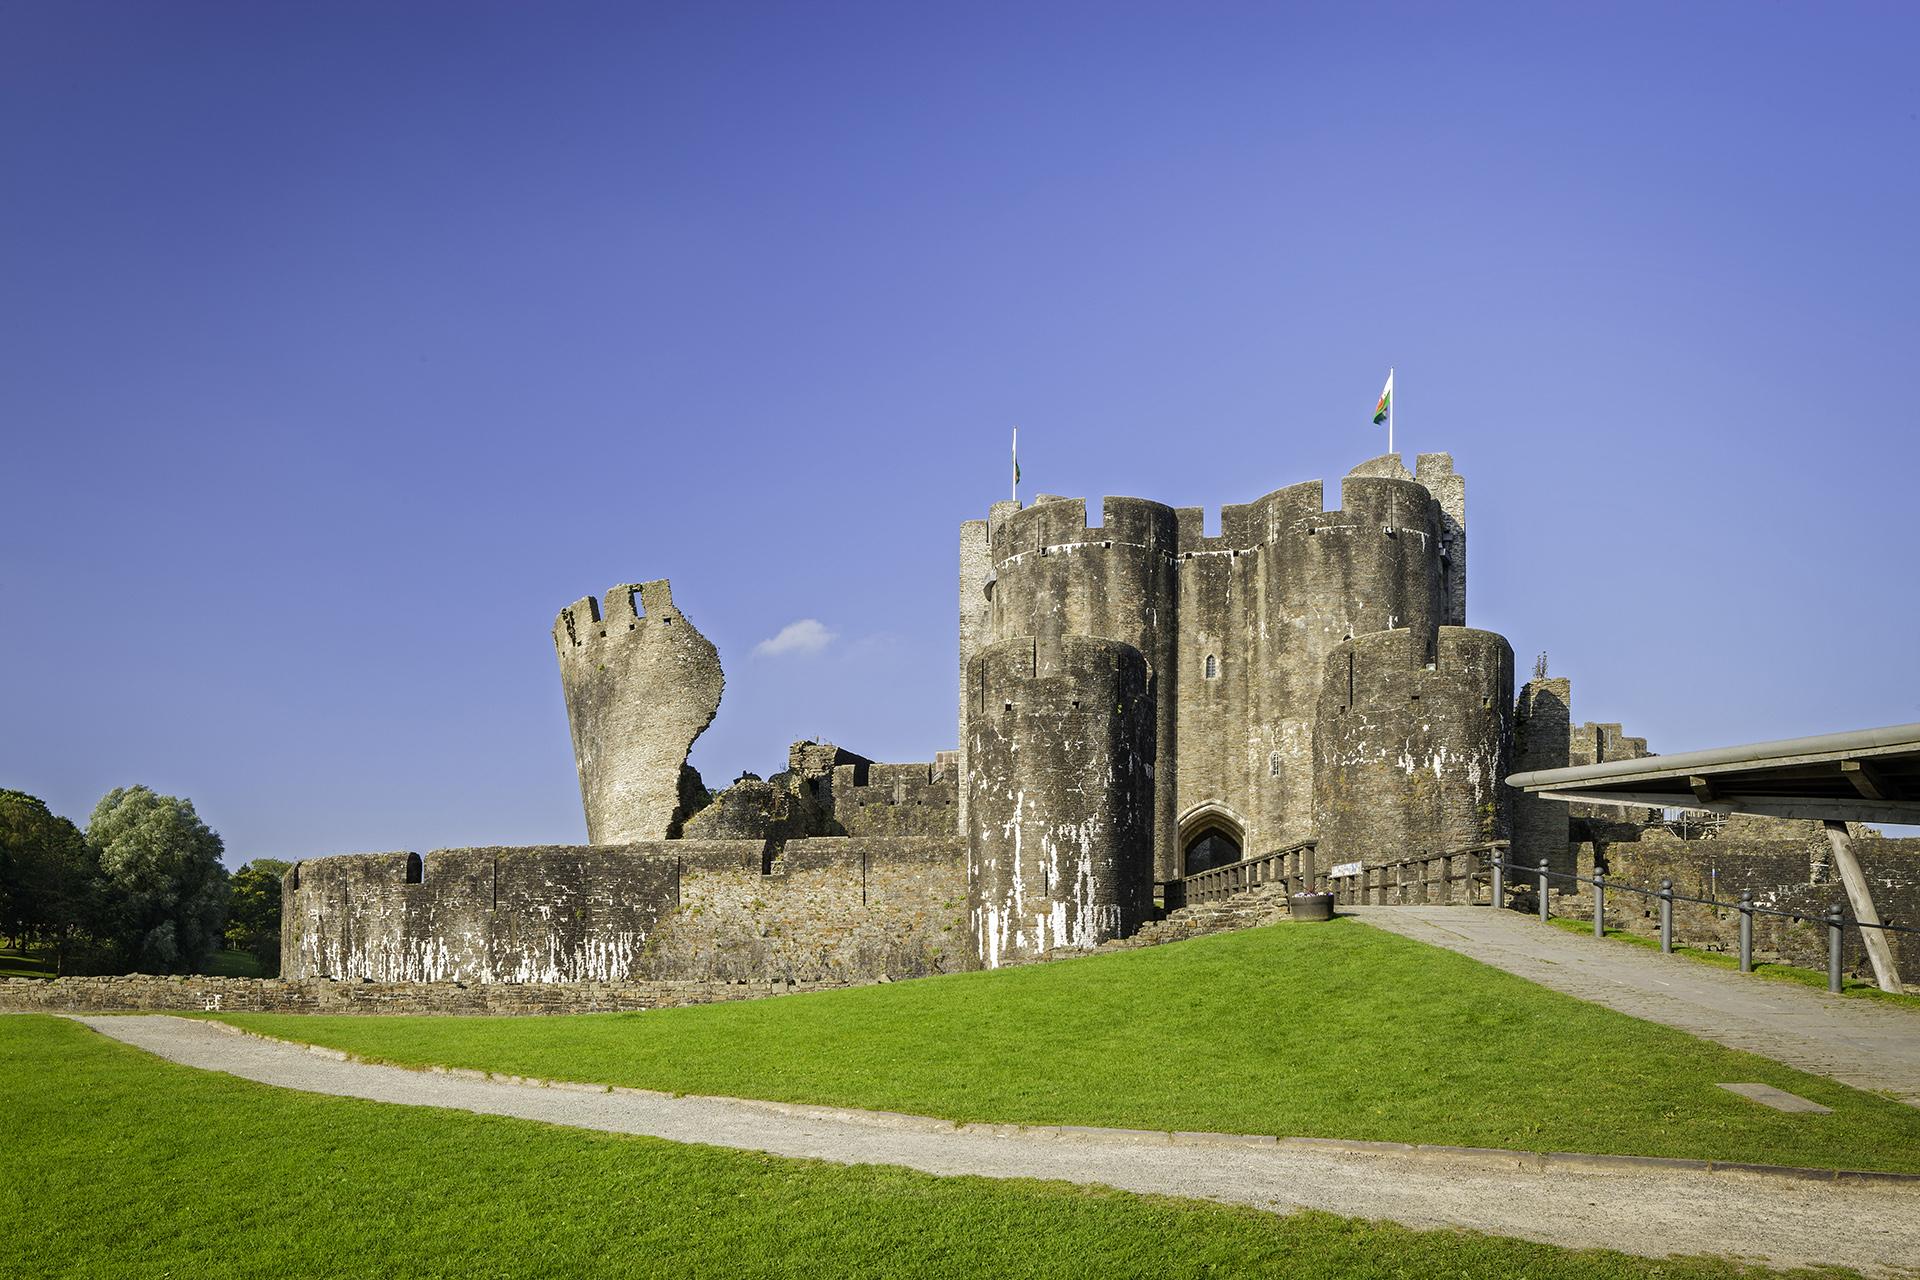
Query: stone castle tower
column 641, row 684
column 1305, row 673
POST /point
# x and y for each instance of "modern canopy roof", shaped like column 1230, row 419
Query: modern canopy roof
column 1866, row 775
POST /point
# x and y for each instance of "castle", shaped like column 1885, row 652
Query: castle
column 1138, row 701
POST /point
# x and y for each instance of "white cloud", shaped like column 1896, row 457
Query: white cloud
column 804, row 636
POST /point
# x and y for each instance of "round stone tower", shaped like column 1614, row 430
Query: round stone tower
column 1410, row 743
column 1054, row 576
column 1061, row 745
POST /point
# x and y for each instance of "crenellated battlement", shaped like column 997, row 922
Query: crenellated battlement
column 630, row 608
column 1445, row 650
column 1060, row 524
column 1388, row 505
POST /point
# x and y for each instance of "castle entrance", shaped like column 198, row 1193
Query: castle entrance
column 1204, row 846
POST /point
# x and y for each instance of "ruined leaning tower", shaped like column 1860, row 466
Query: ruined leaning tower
column 641, row 684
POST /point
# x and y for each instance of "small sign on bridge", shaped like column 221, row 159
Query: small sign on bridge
column 1346, row 869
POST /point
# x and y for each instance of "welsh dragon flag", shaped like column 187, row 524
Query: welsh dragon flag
column 1386, row 401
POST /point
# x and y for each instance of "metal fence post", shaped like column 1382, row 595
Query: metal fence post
column 1746, row 931
column 1499, row 882
column 1543, row 891
column 1599, row 904
column 1666, row 916
column 1833, row 948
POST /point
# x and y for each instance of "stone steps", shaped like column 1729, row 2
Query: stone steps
column 1262, row 905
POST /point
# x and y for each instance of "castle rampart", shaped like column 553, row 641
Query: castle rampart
column 678, row 910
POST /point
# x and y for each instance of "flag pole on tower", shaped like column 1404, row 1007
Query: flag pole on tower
column 1383, row 411
column 1016, row 464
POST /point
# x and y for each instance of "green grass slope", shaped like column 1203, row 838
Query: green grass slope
column 120, row 1164
column 1330, row 1031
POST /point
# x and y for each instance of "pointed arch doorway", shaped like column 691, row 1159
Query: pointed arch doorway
column 1211, row 835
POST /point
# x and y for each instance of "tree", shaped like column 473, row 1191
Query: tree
column 253, row 914
column 162, row 868
column 50, row 887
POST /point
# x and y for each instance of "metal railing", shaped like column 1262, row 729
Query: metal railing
column 1834, row 918
column 1291, row 868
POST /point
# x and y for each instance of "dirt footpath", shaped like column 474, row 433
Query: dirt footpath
column 1650, row 1211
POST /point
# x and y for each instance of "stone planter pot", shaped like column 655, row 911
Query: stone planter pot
column 1310, row 906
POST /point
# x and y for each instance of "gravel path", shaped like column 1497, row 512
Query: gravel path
column 1872, row 1226
column 1864, row 1043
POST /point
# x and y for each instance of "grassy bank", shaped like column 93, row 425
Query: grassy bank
column 122, row 1164
column 1333, row 1031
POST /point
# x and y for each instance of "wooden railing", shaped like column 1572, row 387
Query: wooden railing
column 1458, row 876
column 1455, row 876
column 1291, row 867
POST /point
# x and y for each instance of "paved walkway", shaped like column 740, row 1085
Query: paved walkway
column 1864, row 1043
column 1867, row 1225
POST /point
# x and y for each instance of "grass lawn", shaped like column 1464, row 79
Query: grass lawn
column 33, row 963
column 1333, row 1030
column 234, row 964
column 118, row 1163
column 1816, row 978
column 25, row 962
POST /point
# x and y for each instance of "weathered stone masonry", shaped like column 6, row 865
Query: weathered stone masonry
column 834, row 910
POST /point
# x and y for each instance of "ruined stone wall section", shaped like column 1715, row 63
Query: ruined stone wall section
column 1435, row 472
column 976, row 613
column 827, row 909
column 1413, row 738
column 1061, row 855
column 1542, row 727
column 641, row 684
column 896, row 799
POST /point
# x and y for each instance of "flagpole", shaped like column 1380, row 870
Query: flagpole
column 1016, row 464
column 1391, row 397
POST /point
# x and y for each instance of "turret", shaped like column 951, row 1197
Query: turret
column 1410, row 744
column 1061, row 807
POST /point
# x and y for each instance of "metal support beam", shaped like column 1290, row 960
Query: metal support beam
column 1860, row 897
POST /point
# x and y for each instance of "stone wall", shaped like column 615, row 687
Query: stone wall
column 145, row 993
column 1779, row 871
column 895, row 799
column 828, row 909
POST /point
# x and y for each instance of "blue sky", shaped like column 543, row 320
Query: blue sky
column 345, row 343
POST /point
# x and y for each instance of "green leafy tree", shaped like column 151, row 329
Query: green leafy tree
column 253, row 914
column 162, row 868
column 50, row 887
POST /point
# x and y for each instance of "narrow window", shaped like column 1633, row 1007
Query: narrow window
column 1273, row 764
column 1213, row 667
